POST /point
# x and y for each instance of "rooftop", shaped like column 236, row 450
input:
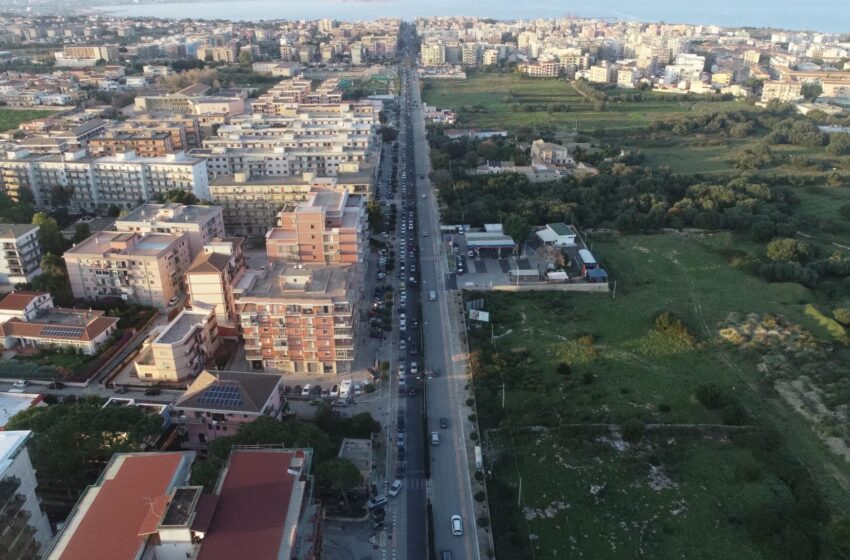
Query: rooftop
column 171, row 213
column 230, row 391
column 18, row 301
column 209, row 262
column 57, row 323
column 183, row 325
column 123, row 243
column 112, row 519
column 13, row 231
column 562, row 229
column 259, row 502
column 296, row 282
column 10, row 443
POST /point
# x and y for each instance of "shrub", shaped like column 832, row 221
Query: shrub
column 587, row 378
column 479, row 476
column 470, row 401
column 633, row 430
column 564, row 368
column 483, row 521
column 479, row 496
column 669, row 324
column 664, row 407
column 473, row 436
column 710, row 396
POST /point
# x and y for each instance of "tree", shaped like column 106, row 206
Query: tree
column 710, row 396
column 54, row 280
column 81, row 233
column 517, row 227
column 49, row 236
column 71, row 443
column 113, row 211
column 180, row 196
column 245, row 58
column 811, row 91
column 18, row 211
column 374, row 216
column 338, row 475
column 787, row 249
column 839, row 144
column 470, row 159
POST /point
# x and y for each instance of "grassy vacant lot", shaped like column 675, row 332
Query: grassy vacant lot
column 571, row 360
column 10, row 118
column 492, row 100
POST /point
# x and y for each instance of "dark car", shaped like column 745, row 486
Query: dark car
column 413, row 392
column 402, row 454
column 316, row 390
column 121, row 390
column 152, row 392
column 378, row 513
column 399, row 472
column 444, row 423
column 55, row 385
column 401, row 424
column 287, row 389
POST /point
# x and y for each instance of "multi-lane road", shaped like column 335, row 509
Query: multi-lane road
column 432, row 324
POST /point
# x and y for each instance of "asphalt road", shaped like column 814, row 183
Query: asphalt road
column 451, row 492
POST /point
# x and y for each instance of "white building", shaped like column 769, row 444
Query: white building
column 201, row 224
column 30, row 538
column 21, row 256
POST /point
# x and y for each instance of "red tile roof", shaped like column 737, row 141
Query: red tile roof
column 18, row 301
column 111, row 527
column 252, row 506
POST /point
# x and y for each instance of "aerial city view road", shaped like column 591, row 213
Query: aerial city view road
column 380, row 281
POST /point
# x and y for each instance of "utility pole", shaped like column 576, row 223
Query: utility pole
column 503, row 395
column 614, row 293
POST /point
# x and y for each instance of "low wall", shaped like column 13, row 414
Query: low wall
column 592, row 287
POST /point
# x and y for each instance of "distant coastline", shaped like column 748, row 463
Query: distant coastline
column 828, row 16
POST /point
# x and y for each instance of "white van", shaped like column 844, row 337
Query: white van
column 432, row 295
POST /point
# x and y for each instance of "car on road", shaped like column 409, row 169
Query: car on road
column 400, row 423
column 412, row 392
column 423, row 196
column 152, row 392
column 425, row 234
column 432, row 295
column 173, row 301
column 435, row 438
column 121, row 390
column 377, row 501
column 20, row 384
column 305, row 392
column 457, row 526
column 400, row 439
column 444, row 423
column 55, row 385
column 395, row 488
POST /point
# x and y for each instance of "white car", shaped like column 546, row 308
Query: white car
column 395, row 488
column 358, row 389
column 305, row 391
column 457, row 526
column 435, row 438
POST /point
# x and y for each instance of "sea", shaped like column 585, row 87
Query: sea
column 832, row 16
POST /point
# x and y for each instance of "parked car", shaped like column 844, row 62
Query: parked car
column 395, row 488
column 121, row 390
column 335, row 391
column 435, row 438
column 55, row 385
column 152, row 392
column 377, row 501
column 444, row 423
column 305, row 392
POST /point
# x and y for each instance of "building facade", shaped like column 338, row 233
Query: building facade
column 21, row 257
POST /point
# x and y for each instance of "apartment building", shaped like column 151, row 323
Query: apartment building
column 141, row 268
column 185, row 131
column 787, row 91
column 327, row 228
column 543, row 69
column 24, row 528
column 21, row 257
column 200, row 224
column 24, row 305
column 212, row 277
column 145, row 143
column 206, row 415
column 601, row 74
column 123, row 179
column 432, row 54
column 251, row 203
column 228, row 53
column 182, row 348
column 183, row 104
column 297, row 319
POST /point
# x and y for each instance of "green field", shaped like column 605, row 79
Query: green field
column 489, row 100
column 10, row 118
column 620, row 369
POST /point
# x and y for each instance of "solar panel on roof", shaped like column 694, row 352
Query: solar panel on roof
column 221, row 395
column 62, row 331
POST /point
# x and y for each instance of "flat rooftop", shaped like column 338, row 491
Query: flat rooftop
column 152, row 244
column 182, row 325
column 10, row 442
column 286, row 281
column 169, row 213
column 13, row 403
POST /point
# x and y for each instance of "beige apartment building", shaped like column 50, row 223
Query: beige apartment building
column 141, row 268
column 298, row 319
column 182, row 348
column 212, row 277
column 251, row 203
column 328, row 228
column 201, row 224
